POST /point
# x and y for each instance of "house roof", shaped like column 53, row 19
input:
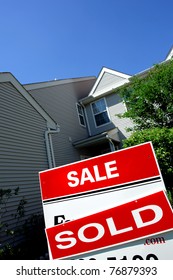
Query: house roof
column 55, row 82
column 170, row 54
column 99, row 138
column 8, row 77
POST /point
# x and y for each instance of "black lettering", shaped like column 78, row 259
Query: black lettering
column 59, row 219
column 18, row 271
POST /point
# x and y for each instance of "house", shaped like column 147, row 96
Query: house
column 85, row 109
column 101, row 107
column 23, row 149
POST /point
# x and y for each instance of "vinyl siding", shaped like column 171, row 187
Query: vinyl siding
column 60, row 103
column 22, row 150
column 116, row 106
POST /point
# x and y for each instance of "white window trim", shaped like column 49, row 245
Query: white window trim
column 98, row 126
column 83, row 115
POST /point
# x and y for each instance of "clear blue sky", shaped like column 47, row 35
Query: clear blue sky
column 41, row 40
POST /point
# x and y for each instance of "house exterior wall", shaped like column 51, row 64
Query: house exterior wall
column 60, row 103
column 114, row 106
column 22, row 151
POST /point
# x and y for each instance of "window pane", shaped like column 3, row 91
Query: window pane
column 102, row 118
column 102, row 105
column 80, row 115
column 99, row 106
column 79, row 108
column 82, row 122
column 95, row 108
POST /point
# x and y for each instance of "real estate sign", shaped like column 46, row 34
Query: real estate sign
column 92, row 186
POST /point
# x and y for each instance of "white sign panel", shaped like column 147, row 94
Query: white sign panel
column 78, row 207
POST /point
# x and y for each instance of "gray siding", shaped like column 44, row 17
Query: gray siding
column 60, row 103
column 22, row 150
column 115, row 107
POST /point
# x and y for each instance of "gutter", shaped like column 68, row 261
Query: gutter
column 49, row 146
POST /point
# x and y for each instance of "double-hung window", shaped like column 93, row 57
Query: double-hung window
column 80, row 114
column 100, row 112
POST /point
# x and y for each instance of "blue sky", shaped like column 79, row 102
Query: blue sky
column 48, row 39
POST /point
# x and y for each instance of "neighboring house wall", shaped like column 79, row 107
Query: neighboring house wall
column 22, row 152
column 59, row 99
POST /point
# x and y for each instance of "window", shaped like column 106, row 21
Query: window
column 100, row 112
column 80, row 114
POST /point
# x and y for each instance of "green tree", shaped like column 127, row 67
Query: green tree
column 149, row 99
column 162, row 140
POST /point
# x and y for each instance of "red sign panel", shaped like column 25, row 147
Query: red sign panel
column 114, row 169
column 134, row 220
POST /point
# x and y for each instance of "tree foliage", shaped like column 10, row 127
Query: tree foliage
column 149, row 99
column 162, row 140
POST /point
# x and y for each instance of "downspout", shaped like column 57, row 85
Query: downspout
column 49, row 146
column 111, row 144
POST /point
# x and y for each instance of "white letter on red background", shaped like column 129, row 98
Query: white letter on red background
column 112, row 227
column 99, row 235
column 155, row 208
column 59, row 238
